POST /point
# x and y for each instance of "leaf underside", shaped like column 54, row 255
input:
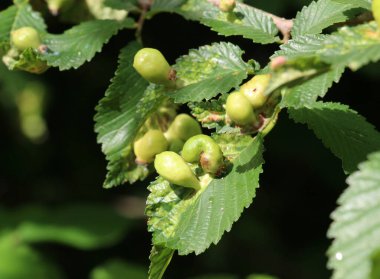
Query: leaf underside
column 346, row 133
column 356, row 226
column 160, row 258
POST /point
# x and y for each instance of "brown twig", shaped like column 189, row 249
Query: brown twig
column 284, row 25
column 362, row 18
column 145, row 6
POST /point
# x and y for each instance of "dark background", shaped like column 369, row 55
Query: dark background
column 283, row 233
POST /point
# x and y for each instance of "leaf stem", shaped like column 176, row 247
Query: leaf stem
column 145, row 5
column 271, row 122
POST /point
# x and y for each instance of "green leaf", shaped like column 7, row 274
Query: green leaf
column 208, row 71
column 245, row 21
column 19, row 261
column 350, row 46
column 160, row 258
column 25, row 16
column 120, row 115
column 189, row 222
column 366, row 4
column 347, row 134
column 353, row 46
column 307, row 92
column 84, row 226
column 80, row 44
column 166, row 5
column 319, row 15
column 7, row 18
column 295, row 72
column 356, row 226
column 301, row 46
column 116, row 269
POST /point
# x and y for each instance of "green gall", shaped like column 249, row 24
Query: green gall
column 254, row 90
column 183, row 128
column 149, row 145
column 174, row 169
column 25, row 37
column 152, row 66
column 206, row 151
column 227, row 6
column 239, row 109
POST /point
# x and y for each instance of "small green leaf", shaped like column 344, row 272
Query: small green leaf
column 308, row 91
column 245, row 21
column 347, row 134
column 120, row 115
column 25, row 16
column 356, row 225
column 84, row 226
column 366, row 4
column 27, row 61
column 208, row 71
column 117, row 269
column 7, row 18
column 190, row 222
column 353, row 46
column 80, row 43
column 166, row 5
column 295, row 72
column 319, row 15
column 160, row 258
column 306, row 45
column 350, row 46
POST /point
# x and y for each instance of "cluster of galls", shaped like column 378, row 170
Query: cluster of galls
column 241, row 106
column 183, row 136
column 183, row 142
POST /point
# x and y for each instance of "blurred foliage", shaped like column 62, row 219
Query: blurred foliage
column 114, row 269
column 84, row 226
column 19, row 261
